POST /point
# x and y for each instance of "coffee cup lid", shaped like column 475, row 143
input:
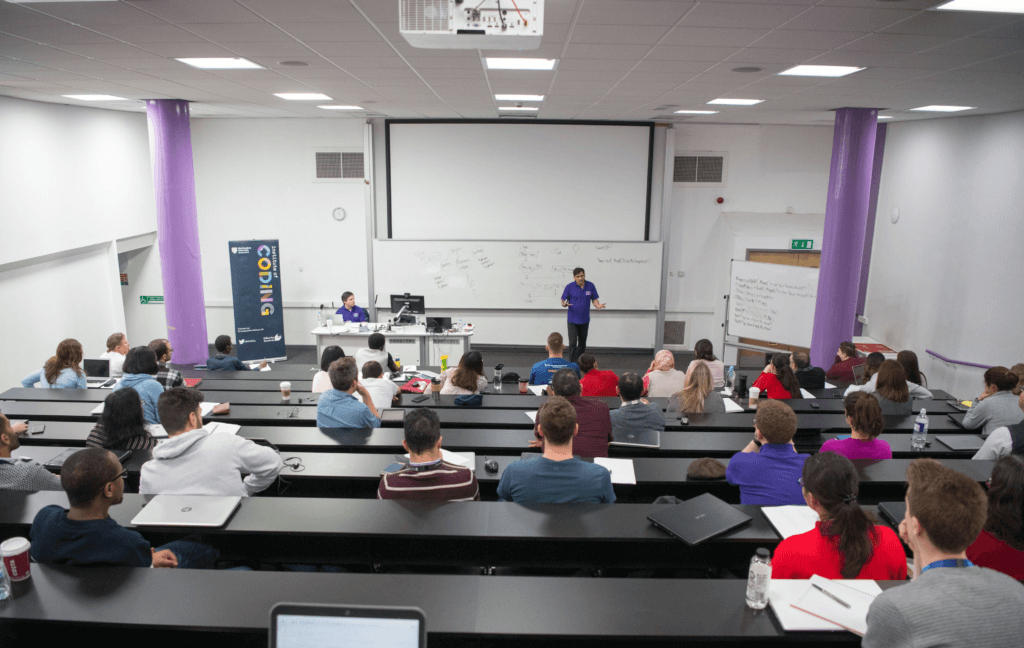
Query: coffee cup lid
column 14, row 546
column 286, row 384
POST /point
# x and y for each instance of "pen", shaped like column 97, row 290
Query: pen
column 831, row 595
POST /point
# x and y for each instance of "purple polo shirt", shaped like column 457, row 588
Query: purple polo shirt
column 357, row 314
column 769, row 477
column 579, row 301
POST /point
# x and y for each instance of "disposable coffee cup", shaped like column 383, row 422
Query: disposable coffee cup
column 435, row 385
column 523, row 386
column 754, row 394
column 286, row 390
column 15, row 556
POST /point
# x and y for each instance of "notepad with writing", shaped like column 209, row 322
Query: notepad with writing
column 790, row 520
column 784, row 594
column 853, row 618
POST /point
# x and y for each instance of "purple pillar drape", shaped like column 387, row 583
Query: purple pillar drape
column 869, row 230
column 170, row 146
column 846, row 213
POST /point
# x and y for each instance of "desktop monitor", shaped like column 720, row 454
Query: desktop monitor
column 298, row 625
column 414, row 302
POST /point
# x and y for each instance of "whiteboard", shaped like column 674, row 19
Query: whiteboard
column 515, row 275
column 518, row 181
column 772, row 302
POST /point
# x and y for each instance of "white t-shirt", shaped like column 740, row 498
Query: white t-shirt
column 116, row 363
column 365, row 355
column 321, row 382
column 381, row 391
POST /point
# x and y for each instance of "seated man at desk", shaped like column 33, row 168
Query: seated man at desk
column 808, row 376
column 635, row 413
column 542, row 371
column 427, row 476
column 338, row 408
column 225, row 362
column 196, row 461
column 86, row 535
column 376, row 353
column 556, row 476
column 21, row 475
column 349, row 311
column 592, row 415
column 768, row 470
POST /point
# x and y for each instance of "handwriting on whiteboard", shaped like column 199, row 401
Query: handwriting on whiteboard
column 756, row 300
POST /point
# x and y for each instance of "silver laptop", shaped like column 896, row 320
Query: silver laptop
column 187, row 510
column 97, row 372
column 300, row 625
column 636, row 438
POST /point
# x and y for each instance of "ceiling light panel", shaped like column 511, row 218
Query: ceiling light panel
column 821, row 70
column 518, row 97
column 943, row 108
column 519, row 108
column 302, row 96
column 341, row 107
column 992, row 6
column 95, row 97
column 520, row 64
column 221, row 63
column 696, row 112
column 735, row 102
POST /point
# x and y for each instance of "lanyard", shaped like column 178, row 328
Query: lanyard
column 949, row 562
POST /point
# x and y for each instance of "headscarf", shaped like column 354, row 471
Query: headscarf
column 664, row 360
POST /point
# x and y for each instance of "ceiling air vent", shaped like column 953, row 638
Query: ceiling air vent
column 702, row 169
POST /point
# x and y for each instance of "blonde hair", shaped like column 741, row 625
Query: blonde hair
column 698, row 385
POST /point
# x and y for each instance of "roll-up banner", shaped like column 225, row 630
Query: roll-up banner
column 256, row 290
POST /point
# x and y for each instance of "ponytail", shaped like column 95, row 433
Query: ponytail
column 832, row 479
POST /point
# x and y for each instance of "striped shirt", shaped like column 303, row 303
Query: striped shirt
column 437, row 481
column 141, row 441
column 169, row 378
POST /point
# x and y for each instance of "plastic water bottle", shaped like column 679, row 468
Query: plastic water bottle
column 920, row 434
column 5, row 583
column 320, row 317
column 460, row 325
column 730, row 380
column 759, row 579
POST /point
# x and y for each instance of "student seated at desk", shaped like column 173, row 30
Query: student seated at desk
column 845, row 542
column 86, row 535
column 704, row 351
column 768, row 470
column 195, row 461
column 376, row 352
column 1001, row 543
column 383, row 392
column 225, row 362
column 427, row 476
column 593, row 417
column 778, row 379
column 542, row 371
column 662, row 378
column 467, row 378
column 908, row 360
column 699, row 395
column 864, row 416
column 996, row 407
column 1005, row 440
column 122, row 423
column 338, row 408
column 140, row 374
column 62, row 371
column 556, row 477
column 322, row 379
column 21, row 475
column 871, row 381
column 596, row 382
column 635, row 413
column 165, row 375
column 117, row 349
column 892, row 391
column 846, row 360
column 808, row 376
column 951, row 602
column 349, row 311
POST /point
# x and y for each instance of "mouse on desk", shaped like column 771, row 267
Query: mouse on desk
column 491, row 465
column 684, row 420
column 815, row 406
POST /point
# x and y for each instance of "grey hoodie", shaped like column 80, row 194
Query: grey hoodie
column 200, row 462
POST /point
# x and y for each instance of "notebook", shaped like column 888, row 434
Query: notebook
column 297, row 625
column 961, row 441
column 790, row 520
column 852, row 617
column 621, row 469
column 187, row 510
column 732, row 406
column 784, row 594
column 636, row 438
column 698, row 519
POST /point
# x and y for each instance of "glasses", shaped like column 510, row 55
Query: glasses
column 121, row 475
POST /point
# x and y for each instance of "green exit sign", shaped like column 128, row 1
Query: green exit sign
column 801, row 244
column 151, row 299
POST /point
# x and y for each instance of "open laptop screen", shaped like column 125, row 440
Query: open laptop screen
column 300, row 626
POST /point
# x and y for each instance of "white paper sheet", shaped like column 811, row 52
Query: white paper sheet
column 806, row 393
column 537, row 389
column 256, row 366
column 621, row 469
column 782, row 594
column 156, row 430
column 853, row 618
column 206, row 408
column 467, row 459
column 98, row 409
column 532, row 415
column 428, row 374
column 790, row 520
column 829, row 385
column 223, row 428
column 731, row 406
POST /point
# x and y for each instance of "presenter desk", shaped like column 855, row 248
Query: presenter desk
column 413, row 344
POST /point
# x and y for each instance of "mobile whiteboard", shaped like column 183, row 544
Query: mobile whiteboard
column 772, row 302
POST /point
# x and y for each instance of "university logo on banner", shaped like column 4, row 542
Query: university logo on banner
column 256, row 291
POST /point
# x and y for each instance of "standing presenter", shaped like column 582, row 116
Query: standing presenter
column 577, row 297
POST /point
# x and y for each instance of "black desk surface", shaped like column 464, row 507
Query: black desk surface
column 491, row 608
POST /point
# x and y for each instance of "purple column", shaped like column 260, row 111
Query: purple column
column 869, row 230
column 170, row 146
column 846, row 213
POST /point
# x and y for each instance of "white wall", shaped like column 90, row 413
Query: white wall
column 947, row 275
column 255, row 178
column 72, row 182
column 771, row 170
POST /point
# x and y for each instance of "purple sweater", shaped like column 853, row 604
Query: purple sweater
column 856, row 449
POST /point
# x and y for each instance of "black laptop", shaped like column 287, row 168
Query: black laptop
column 438, row 324
column 893, row 512
column 961, row 441
column 636, row 438
column 698, row 519
column 54, row 465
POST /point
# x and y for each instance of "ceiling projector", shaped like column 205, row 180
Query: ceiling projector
column 472, row 24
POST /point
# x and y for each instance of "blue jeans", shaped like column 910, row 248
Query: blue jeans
column 192, row 554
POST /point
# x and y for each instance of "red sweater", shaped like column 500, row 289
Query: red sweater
column 844, row 370
column 599, row 383
column 771, row 383
column 802, row 556
column 989, row 551
column 595, row 421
